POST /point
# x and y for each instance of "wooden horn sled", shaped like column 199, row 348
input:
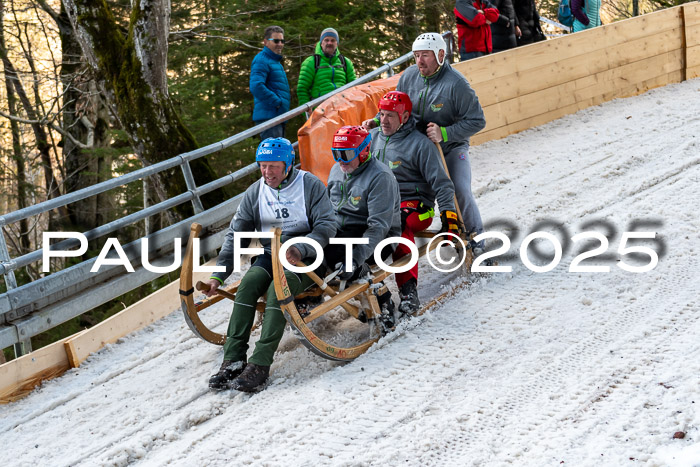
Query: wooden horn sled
column 358, row 302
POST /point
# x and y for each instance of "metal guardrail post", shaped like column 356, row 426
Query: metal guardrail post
column 10, row 279
column 450, row 42
column 25, row 346
column 192, row 186
column 147, row 220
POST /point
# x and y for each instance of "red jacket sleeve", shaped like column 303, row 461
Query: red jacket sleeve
column 491, row 14
column 478, row 19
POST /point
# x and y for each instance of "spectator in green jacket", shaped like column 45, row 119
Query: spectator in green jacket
column 327, row 69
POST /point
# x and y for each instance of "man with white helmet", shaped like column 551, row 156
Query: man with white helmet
column 285, row 197
column 447, row 111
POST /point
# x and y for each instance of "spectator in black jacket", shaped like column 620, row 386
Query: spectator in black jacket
column 503, row 30
column 527, row 28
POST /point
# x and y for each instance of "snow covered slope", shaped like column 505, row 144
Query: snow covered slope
column 518, row 368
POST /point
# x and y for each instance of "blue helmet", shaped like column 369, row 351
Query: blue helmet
column 276, row 149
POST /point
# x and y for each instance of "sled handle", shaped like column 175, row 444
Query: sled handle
column 204, row 287
column 447, row 171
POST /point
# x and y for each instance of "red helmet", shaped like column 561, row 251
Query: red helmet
column 396, row 101
column 350, row 142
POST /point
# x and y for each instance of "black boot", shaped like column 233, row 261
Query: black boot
column 409, row 298
column 228, row 372
column 478, row 250
column 387, row 318
column 252, row 378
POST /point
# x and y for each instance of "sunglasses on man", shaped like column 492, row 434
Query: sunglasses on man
column 349, row 154
column 276, row 41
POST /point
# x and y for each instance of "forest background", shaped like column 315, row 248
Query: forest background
column 73, row 111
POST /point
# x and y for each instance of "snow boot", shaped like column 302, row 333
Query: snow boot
column 478, row 249
column 228, row 372
column 252, row 379
column 409, row 298
column 386, row 318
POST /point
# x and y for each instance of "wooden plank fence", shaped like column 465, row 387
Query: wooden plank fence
column 528, row 86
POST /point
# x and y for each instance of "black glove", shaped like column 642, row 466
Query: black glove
column 357, row 271
column 451, row 223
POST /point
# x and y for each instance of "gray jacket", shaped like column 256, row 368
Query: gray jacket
column 447, row 99
column 368, row 197
column 247, row 219
column 415, row 162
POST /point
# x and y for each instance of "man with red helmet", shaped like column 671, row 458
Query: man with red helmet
column 415, row 162
column 365, row 198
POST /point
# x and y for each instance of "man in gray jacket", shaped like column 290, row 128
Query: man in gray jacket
column 448, row 112
column 366, row 201
column 296, row 201
column 416, row 164
column 365, row 198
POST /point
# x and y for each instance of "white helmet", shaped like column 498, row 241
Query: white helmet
column 431, row 41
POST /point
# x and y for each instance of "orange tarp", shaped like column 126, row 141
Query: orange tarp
column 351, row 107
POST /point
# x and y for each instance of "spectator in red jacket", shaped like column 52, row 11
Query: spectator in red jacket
column 474, row 18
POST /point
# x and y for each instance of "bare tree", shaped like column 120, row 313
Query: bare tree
column 37, row 124
column 85, row 121
column 20, row 174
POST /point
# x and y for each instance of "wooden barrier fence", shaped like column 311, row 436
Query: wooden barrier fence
column 528, row 86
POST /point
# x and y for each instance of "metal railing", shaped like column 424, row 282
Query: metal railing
column 33, row 308
column 556, row 24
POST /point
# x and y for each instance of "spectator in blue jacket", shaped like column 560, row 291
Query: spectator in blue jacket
column 268, row 83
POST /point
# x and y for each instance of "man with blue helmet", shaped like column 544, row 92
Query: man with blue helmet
column 285, row 197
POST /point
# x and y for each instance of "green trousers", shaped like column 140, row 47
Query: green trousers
column 256, row 282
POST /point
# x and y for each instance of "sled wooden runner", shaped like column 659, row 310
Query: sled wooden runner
column 299, row 325
column 189, row 307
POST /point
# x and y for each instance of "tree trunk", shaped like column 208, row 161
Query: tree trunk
column 86, row 118
column 433, row 16
column 410, row 23
column 135, row 68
